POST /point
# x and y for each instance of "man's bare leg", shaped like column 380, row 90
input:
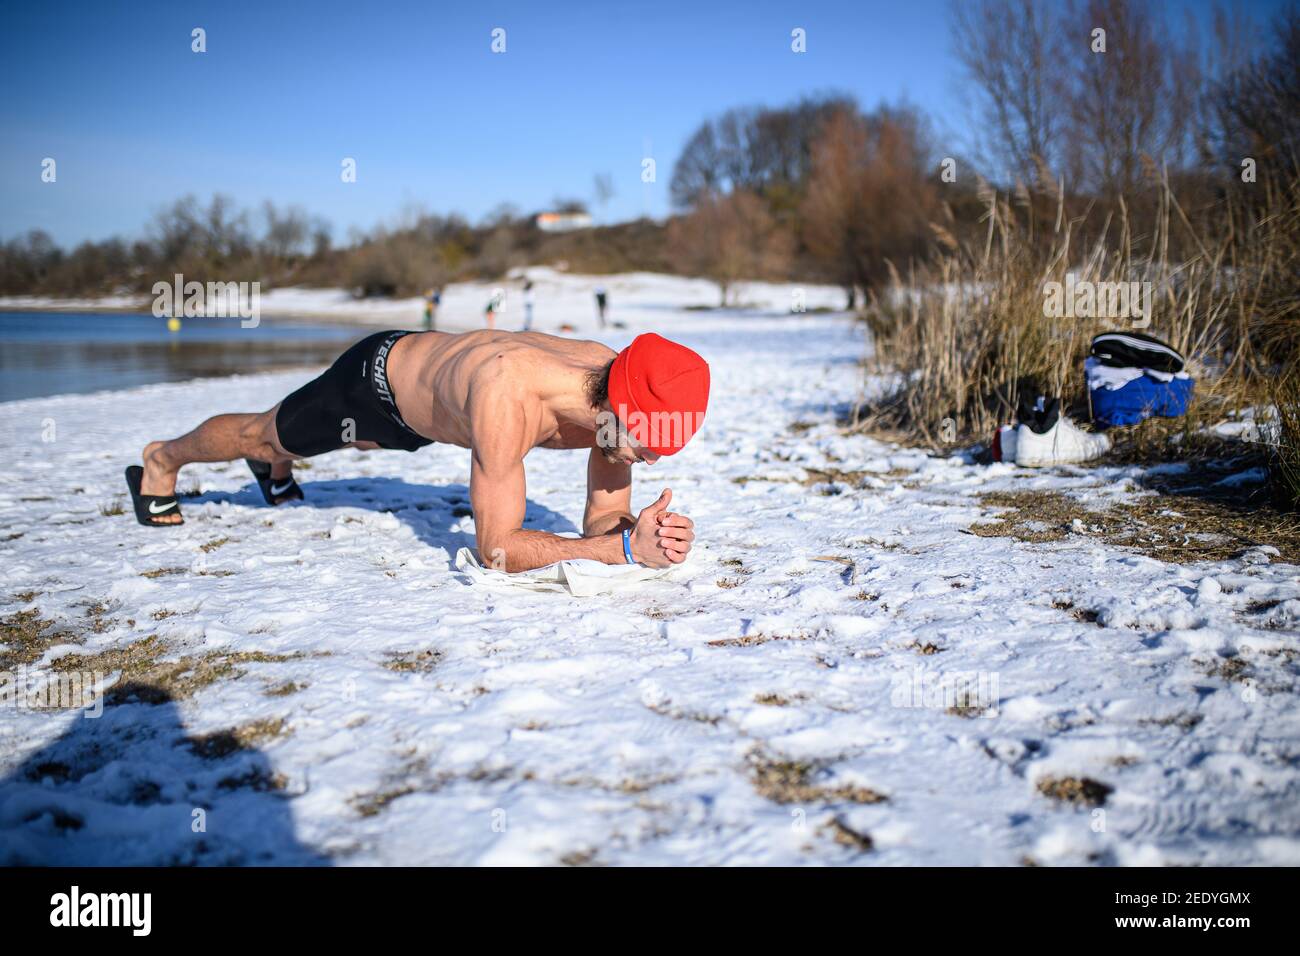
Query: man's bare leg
column 220, row 438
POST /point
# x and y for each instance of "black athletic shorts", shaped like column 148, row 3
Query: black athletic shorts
column 350, row 401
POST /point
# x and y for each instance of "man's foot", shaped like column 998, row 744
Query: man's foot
column 155, row 511
column 276, row 481
column 158, row 481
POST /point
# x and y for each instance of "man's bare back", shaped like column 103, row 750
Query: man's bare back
column 436, row 375
column 499, row 394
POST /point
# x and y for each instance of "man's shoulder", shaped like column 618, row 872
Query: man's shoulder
column 586, row 351
column 526, row 353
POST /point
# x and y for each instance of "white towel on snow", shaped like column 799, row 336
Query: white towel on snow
column 579, row 577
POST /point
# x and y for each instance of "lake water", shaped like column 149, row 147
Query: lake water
column 54, row 353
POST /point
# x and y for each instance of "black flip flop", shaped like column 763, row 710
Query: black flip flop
column 148, row 508
column 274, row 490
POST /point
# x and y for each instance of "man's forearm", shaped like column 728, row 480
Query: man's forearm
column 611, row 523
column 523, row 550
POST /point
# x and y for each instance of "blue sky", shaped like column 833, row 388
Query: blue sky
column 413, row 92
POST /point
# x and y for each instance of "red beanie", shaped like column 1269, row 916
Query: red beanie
column 659, row 391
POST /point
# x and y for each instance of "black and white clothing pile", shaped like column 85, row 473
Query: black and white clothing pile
column 1132, row 376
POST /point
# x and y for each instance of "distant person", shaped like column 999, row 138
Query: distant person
column 493, row 307
column 528, row 306
column 432, row 299
column 601, row 303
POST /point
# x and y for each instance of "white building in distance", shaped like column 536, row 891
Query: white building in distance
column 562, row 221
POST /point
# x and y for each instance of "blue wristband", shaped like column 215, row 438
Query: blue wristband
column 627, row 546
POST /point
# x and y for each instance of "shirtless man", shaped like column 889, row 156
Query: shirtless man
column 499, row 394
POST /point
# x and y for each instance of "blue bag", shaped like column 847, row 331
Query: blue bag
column 1140, row 399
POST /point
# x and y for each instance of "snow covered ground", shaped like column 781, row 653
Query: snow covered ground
column 347, row 697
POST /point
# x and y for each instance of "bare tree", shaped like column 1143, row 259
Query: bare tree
column 756, row 150
column 176, row 229
column 322, row 239
column 729, row 238
column 870, row 200
column 188, row 235
column 1012, row 51
column 1257, row 105
column 716, row 159
column 286, row 230
column 27, row 261
column 1131, row 105
column 226, row 234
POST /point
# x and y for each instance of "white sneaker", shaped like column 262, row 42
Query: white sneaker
column 1064, row 442
column 1003, row 447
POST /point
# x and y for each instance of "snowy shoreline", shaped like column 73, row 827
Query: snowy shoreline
column 463, row 302
column 769, row 702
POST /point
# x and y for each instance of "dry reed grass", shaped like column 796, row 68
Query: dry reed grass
column 966, row 333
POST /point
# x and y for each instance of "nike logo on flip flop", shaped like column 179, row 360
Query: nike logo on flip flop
column 281, row 489
column 155, row 510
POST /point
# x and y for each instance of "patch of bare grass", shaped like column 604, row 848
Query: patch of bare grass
column 285, row 689
column 146, row 676
column 926, row 648
column 163, row 572
column 26, row 636
column 794, row 781
column 584, row 857
column 405, row 662
column 1080, row 791
column 845, row 835
column 773, row 699
column 1233, row 669
column 757, row 638
column 1178, row 529
column 373, row 804
column 223, row 743
column 1184, row 722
